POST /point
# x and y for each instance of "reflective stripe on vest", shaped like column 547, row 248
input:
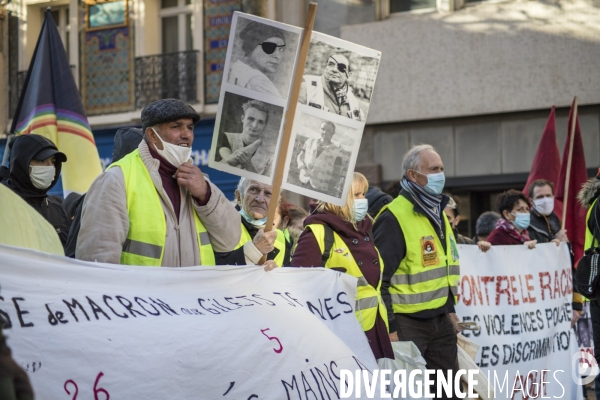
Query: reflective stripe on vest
column 589, row 236
column 279, row 244
column 368, row 299
column 414, row 286
column 147, row 226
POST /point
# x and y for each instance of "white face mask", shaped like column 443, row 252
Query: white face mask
column 42, row 176
column 544, row 206
column 176, row 155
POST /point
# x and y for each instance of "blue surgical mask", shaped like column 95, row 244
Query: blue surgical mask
column 256, row 222
column 360, row 208
column 435, row 183
column 522, row 220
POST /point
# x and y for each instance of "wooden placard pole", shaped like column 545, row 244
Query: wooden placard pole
column 289, row 118
column 569, row 161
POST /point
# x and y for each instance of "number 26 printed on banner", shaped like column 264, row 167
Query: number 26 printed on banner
column 96, row 389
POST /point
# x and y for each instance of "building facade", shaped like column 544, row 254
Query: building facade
column 474, row 79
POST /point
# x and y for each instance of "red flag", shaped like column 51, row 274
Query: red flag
column 546, row 164
column 575, row 214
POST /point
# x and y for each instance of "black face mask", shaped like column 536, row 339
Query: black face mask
column 270, row 47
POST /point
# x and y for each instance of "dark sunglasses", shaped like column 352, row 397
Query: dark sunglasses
column 270, row 47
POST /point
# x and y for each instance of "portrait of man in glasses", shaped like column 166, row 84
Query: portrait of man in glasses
column 260, row 59
column 331, row 91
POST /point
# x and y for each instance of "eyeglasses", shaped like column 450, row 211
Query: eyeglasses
column 270, row 47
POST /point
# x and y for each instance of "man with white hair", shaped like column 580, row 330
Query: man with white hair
column 420, row 256
column 253, row 199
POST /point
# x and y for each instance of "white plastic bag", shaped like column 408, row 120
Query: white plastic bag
column 466, row 360
column 409, row 358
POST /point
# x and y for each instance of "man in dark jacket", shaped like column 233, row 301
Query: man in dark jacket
column 588, row 197
column 452, row 211
column 377, row 199
column 545, row 225
column 413, row 235
column 35, row 165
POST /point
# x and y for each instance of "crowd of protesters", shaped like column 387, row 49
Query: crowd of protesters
column 153, row 207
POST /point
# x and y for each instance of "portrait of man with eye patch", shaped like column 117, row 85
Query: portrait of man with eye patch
column 262, row 61
column 331, row 91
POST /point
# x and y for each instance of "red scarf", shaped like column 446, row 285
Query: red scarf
column 512, row 231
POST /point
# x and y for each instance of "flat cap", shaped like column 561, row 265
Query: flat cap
column 167, row 110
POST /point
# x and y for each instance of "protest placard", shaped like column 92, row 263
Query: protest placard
column 254, row 95
column 521, row 299
column 333, row 97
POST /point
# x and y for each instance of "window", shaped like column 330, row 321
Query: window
column 60, row 15
column 410, row 5
column 176, row 25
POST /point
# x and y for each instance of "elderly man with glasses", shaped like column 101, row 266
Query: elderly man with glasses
column 331, row 91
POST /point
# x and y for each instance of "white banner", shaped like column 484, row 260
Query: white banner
column 94, row 331
column 522, row 298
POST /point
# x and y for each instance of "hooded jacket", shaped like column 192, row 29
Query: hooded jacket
column 589, row 192
column 22, row 150
column 377, row 199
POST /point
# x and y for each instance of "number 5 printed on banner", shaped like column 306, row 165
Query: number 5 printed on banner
column 280, row 349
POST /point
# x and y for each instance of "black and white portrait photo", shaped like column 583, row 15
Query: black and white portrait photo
column 339, row 77
column 246, row 140
column 262, row 57
column 321, row 159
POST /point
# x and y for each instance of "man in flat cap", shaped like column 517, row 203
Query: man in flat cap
column 154, row 207
column 263, row 47
column 331, row 91
column 35, row 165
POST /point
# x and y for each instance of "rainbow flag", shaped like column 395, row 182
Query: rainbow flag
column 50, row 106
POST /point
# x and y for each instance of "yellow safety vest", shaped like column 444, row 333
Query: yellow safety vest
column 279, row 244
column 425, row 274
column 589, row 236
column 147, row 226
column 368, row 299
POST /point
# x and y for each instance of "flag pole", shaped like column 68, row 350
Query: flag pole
column 289, row 118
column 569, row 160
column 9, row 139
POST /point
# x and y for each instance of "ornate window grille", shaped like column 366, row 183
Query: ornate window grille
column 169, row 75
